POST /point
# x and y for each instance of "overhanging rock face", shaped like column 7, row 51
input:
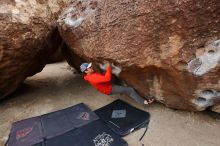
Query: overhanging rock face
column 166, row 49
column 28, row 36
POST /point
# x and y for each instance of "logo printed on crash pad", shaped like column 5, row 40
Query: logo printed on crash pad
column 23, row 132
column 84, row 116
column 119, row 113
column 103, row 139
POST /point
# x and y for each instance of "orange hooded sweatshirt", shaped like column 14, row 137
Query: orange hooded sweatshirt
column 102, row 82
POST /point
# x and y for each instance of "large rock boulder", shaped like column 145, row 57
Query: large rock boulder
column 28, row 36
column 167, row 49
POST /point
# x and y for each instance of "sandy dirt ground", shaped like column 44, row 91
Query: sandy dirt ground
column 57, row 87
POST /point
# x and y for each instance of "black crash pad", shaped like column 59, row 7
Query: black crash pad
column 35, row 130
column 95, row 133
column 123, row 118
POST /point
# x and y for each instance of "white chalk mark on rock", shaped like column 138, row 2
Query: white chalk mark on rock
column 73, row 22
column 206, row 61
column 115, row 69
column 206, row 98
column 71, row 18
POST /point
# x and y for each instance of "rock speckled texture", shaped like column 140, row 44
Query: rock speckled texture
column 167, row 49
column 28, row 36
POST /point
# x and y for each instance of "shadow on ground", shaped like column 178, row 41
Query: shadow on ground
column 57, row 87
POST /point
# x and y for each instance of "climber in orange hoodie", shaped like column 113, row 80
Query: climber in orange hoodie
column 102, row 82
